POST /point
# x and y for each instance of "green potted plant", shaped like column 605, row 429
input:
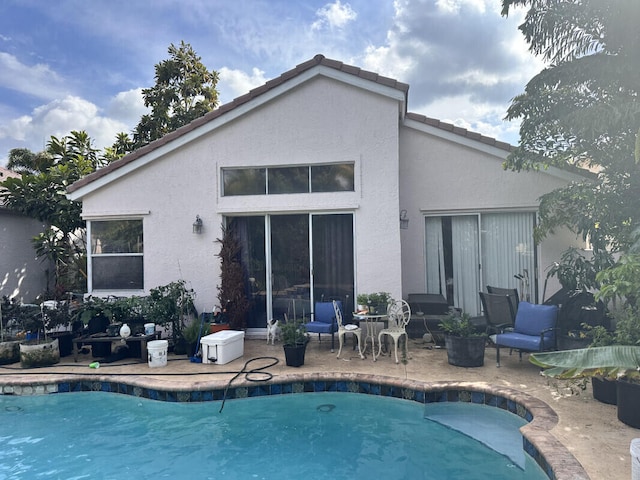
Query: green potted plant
column 374, row 302
column 294, row 339
column 192, row 333
column 465, row 345
column 38, row 349
column 618, row 359
column 9, row 344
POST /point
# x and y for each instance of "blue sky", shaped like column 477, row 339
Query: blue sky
column 81, row 64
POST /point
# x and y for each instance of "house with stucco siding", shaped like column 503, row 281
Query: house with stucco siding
column 23, row 277
column 332, row 188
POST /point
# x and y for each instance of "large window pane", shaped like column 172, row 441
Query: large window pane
column 250, row 232
column 333, row 275
column 116, row 236
column 290, row 269
column 244, row 181
column 117, row 272
column 332, row 178
column 117, row 255
column 289, row 180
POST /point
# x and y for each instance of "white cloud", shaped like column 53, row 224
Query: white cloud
column 127, row 107
column 58, row 118
column 37, row 80
column 334, row 15
column 233, row 83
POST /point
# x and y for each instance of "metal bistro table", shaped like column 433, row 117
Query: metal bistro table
column 371, row 319
column 104, row 338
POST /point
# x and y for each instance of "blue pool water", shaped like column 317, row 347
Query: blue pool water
column 96, row 435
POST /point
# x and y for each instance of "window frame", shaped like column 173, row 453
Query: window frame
column 269, row 190
column 93, row 255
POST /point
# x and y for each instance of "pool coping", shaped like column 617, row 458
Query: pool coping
column 552, row 456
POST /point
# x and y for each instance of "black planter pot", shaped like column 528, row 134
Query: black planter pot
column 604, row 390
column 65, row 341
column 628, row 394
column 294, row 354
column 465, row 351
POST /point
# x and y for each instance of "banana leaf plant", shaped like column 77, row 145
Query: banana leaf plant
column 609, row 362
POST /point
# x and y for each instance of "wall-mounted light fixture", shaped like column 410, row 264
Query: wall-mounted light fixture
column 404, row 221
column 197, row 225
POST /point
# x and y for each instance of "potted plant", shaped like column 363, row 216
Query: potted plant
column 294, row 339
column 192, row 333
column 578, row 276
column 613, row 362
column 465, row 345
column 374, row 302
column 9, row 344
column 38, row 349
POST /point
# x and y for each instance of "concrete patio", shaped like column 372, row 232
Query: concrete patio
column 589, row 429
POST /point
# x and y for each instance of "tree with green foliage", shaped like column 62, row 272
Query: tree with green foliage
column 40, row 193
column 583, row 110
column 184, row 90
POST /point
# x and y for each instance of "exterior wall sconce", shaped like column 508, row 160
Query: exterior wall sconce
column 404, row 221
column 197, row 225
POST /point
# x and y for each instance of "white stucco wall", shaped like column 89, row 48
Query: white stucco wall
column 22, row 275
column 321, row 121
column 441, row 175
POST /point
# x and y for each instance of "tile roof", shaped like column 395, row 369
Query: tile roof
column 318, row 60
column 460, row 131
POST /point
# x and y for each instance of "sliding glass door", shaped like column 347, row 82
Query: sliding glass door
column 464, row 253
column 293, row 260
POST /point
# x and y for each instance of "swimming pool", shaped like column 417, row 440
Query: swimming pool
column 316, row 436
column 552, row 456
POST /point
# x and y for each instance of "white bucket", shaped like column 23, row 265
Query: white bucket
column 157, row 350
column 635, row 459
column 149, row 328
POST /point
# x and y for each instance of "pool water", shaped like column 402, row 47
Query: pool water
column 95, row 435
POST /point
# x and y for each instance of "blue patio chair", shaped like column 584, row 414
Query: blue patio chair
column 324, row 320
column 534, row 330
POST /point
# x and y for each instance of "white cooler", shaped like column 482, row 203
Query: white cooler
column 222, row 347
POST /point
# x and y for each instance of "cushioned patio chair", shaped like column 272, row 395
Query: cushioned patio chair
column 324, row 320
column 534, row 330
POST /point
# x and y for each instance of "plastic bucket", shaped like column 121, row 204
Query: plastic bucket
column 157, row 350
column 149, row 328
column 635, row 459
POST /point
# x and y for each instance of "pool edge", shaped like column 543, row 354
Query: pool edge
column 552, row 456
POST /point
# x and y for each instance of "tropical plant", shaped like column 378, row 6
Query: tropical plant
column 621, row 281
column 577, row 272
column 609, row 362
column 40, row 193
column 172, row 304
column 583, row 110
column 459, row 325
column 184, row 91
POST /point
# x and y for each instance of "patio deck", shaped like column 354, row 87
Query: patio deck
column 589, row 429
